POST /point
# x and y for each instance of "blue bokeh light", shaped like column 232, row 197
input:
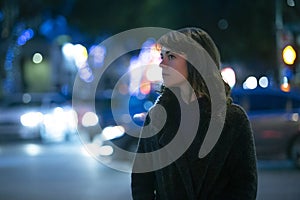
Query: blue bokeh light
column 25, row 36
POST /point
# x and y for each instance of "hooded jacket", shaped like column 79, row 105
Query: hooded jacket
column 228, row 172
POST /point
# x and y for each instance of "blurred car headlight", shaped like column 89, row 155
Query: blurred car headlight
column 106, row 150
column 71, row 118
column 60, row 120
column 89, row 119
column 31, row 119
column 112, row 132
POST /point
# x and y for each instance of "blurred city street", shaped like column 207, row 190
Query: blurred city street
column 57, row 171
column 93, row 67
column 66, row 171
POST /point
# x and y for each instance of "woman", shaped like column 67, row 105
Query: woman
column 193, row 100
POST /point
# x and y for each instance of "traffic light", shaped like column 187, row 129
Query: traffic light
column 289, row 55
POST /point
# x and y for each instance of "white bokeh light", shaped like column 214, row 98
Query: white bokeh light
column 263, row 82
column 37, row 58
column 250, row 83
column 228, row 76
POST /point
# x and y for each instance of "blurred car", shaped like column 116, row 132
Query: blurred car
column 45, row 116
column 116, row 126
column 274, row 116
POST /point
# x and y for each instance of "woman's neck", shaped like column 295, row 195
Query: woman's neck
column 187, row 93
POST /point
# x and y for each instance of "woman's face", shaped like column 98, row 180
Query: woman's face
column 174, row 68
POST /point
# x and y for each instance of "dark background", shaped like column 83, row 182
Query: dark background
column 245, row 31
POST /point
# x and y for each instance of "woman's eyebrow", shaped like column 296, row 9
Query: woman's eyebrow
column 165, row 52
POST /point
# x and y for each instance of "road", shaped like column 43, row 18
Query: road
column 65, row 171
column 278, row 180
column 57, row 172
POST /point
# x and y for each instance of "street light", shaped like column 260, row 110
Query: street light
column 289, row 55
column 285, row 56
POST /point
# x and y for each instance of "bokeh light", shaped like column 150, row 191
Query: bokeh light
column 228, row 76
column 263, row 82
column 285, row 85
column 289, row 55
column 37, row 58
column 250, row 83
column 89, row 119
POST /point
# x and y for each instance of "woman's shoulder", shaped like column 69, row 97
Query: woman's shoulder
column 237, row 122
column 233, row 107
column 236, row 112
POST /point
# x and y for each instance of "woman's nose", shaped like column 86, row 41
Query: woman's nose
column 163, row 63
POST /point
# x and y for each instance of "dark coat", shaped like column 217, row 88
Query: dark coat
column 227, row 172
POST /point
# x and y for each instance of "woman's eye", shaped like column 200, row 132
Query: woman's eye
column 170, row 57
